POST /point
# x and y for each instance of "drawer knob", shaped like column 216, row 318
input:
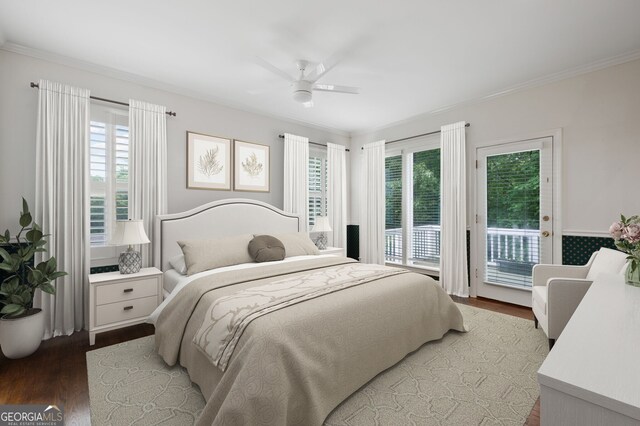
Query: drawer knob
column 127, row 308
column 128, row 290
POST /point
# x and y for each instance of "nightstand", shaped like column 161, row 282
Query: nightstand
column 119, row 300
column 336, row 251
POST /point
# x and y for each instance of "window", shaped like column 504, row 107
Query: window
column 109, row 173
column 412, row 202
column 317, row 185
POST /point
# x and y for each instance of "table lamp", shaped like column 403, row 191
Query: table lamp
column 321, row 226
column 129, row 232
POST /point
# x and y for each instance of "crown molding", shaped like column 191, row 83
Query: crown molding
column 536, row 82
column 155, row 84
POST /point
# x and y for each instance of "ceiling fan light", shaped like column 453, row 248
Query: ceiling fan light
column 302, row 96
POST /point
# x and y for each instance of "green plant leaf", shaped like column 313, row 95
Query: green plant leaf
column 34, row 235
column 38, row 276
column 6, row 267
column 25, row 220
column 25, row 206
column 12, row 310
column 47, row 288
column 16, row 299
column 57, row 275
column 52, row 264
column 5, row 254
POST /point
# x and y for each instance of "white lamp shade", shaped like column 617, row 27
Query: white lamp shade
column 321, row 225
column 129, row 232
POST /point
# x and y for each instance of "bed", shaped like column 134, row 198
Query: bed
column 286, row 342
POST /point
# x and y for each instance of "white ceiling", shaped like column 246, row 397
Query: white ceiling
column 408, row 57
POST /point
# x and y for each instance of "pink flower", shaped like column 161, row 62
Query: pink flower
column 616, row 230
column 631, row 233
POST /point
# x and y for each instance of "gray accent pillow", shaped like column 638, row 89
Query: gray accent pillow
column 266, row 248
column 202, row 255
column 297, row 244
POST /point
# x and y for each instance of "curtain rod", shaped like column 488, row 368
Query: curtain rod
column 417, row 136
column 95, row 98
column 314, row 143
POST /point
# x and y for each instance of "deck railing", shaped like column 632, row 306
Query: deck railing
column 503, row 245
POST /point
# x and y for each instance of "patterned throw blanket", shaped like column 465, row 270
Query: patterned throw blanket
column 228, row 317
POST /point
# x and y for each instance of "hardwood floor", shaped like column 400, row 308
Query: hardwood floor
column 57, row 372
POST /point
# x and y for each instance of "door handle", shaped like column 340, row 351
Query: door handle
column 545, row 233
column 128, row 308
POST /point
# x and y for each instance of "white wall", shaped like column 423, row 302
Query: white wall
column 18, row 132
column 599, row 114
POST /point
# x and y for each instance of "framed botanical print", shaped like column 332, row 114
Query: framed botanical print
column 251, row 168
column 208, row 162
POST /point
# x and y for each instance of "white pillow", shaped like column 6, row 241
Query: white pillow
column 179, row 264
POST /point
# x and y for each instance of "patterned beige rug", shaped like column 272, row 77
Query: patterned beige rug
column 484, row 377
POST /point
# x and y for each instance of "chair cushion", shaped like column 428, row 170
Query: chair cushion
column 607, row 261
column 539, row 294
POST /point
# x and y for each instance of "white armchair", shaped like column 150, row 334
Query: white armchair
column 558, row 289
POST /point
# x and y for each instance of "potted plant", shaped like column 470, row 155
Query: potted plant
column 22, row 325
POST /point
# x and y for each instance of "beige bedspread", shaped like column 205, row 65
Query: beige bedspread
column 294, row 365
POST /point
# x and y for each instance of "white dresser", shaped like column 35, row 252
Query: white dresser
column 119, row 300
column 592, row 375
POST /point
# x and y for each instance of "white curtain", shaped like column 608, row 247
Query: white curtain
column 147, row 168
column 62, row 198
column 296, row 177
column 453, row 210
column 337, row 194
column 372, row 205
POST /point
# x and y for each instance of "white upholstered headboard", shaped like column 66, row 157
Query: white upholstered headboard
column 217, row 219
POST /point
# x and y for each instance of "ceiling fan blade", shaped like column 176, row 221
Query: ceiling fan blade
column 308, row 104
column 335, row 88
column 324, row 67
column 347, row 50
column 272, row 68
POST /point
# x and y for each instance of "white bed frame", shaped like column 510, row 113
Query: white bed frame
column 217, row 219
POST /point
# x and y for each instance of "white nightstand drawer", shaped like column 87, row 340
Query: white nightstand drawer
column 134, row 289
column 122, row 311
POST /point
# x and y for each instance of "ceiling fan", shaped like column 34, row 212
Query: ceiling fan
column 306, row 84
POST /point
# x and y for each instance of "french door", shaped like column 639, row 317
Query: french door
column 514, row 217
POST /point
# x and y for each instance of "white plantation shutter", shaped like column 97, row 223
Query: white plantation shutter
column 109, row 173
column 317, row 186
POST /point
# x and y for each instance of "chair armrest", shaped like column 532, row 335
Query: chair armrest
column 542, row 273
column 563, row 297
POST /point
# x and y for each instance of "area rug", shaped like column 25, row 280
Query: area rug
column 484, row 377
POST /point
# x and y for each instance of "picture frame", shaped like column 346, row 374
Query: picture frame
column 208, row 162
column 252, row 166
